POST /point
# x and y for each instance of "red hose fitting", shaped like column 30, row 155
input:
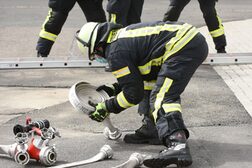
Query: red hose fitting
column 33, row 151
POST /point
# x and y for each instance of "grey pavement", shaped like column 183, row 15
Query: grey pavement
column 216, row 104
column 237, row 77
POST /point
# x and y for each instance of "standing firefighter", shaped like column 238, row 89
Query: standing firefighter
column 125, row 12
column 213, row 21
column 164, row 53
column 57, row 16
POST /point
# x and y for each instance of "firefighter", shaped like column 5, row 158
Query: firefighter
column 57, row 15
column 125, row 12
column 213, row 21
column 164, row 53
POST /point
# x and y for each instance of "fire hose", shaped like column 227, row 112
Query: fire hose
column 79, row 95
column 135, row 160
column 106, row 152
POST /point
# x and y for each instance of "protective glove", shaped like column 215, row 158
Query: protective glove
column 100, row 112
column 111, row 90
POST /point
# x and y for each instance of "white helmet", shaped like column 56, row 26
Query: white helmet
column 86, row 38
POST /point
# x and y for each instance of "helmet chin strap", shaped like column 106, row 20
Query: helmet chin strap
column 80, row 40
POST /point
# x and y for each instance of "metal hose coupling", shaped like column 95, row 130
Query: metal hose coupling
column 107, row 151
column 19, row 152
column 116, row 134
column 48, row 155
column 21, row 156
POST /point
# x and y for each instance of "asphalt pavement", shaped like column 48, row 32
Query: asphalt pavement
column 215, row 111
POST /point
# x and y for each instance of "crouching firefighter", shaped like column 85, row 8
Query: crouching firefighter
column 165, row 54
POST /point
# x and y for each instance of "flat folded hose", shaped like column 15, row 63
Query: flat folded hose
column 81, row 92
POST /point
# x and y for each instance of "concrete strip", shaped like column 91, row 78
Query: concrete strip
column 20, row 100
column 238, row 78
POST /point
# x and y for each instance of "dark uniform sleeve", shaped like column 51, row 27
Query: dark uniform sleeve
column 130, row 81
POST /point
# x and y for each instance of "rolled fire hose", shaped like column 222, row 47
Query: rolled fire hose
column 79, row 95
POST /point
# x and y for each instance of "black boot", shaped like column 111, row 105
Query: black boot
column 177, row 152
column 41, row 55
column 221, row 50
column 146, row 134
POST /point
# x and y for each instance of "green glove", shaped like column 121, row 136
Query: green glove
column 100, row 112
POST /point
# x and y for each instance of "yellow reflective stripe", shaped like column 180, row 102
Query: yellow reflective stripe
column 113, row 35
column 121, row 72
column 46, row 35
column 155, row 115
column 47, row 18
column 160, row 96
column 145, row 69
column 147, row 31
column 180, row 44
column 113, row 18
column 178, row 36
column 122, row 101
column 172, row 107
column 218, row 32
column 148, row 85
column 174, row 45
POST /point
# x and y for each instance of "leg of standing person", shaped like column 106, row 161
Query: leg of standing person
column 173, row 78
column 53, row 24
column 93, row 10
column 135, row 11
column 174, row 10
column 118, row 11
column 214, row 24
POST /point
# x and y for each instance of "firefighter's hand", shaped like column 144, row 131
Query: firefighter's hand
column 109, row 89
column 100, row 112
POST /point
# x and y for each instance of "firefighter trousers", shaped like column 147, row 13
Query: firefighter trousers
column 57, row 15
column 172, row 79
column 125, row 12
column 211, row 18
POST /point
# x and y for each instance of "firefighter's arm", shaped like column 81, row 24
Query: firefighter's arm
column 130, row 81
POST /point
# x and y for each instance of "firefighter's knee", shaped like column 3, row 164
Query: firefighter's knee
column 55, row 21
column 210, row 12
column 59, row 15
column 173, row 13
